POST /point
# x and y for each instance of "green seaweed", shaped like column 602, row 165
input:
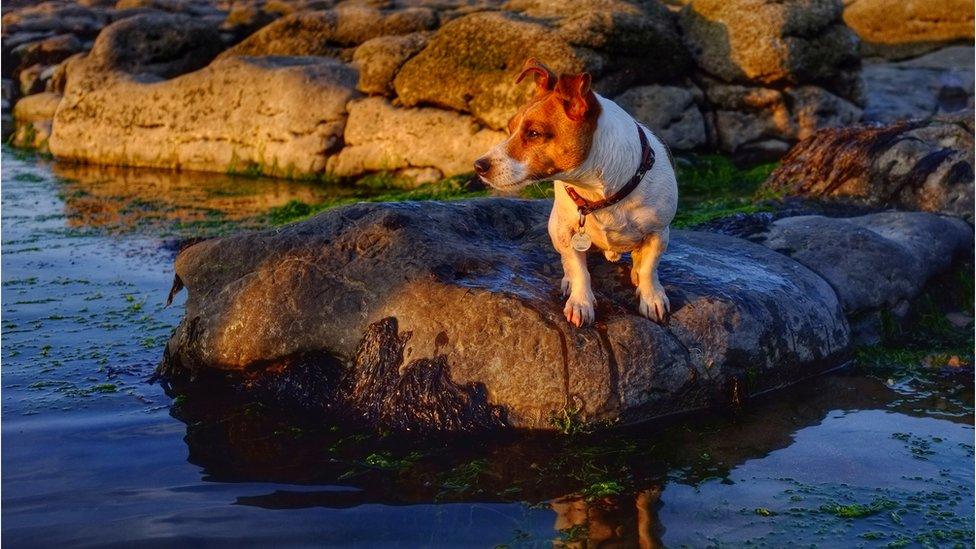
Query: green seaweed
column 858, row 510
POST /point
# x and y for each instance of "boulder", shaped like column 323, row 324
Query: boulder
column 873, row 262
column 245, row 18
column 470, row 64
column 51, row 17
column 748, row 120
column 814, row 108
column 332, row 32
column 670, row 112
column 770, row 42
column 623, row 32
column 936, row 83
column 919, row 165
column 59, row 75
column 905, row 29
column 160, row 44
column 451, row 314
column 32, row 120
column 196, row 8
column 278, row 116
column 379, row 136
column 379, row 60
column 48, row 51
column 31, row 81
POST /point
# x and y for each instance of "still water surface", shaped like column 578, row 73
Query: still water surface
column 93, row 454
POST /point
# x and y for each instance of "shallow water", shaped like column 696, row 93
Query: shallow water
column 94, row 454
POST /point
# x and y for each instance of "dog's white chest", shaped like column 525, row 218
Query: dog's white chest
column 616, row 233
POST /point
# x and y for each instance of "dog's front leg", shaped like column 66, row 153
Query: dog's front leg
column 576, row 282
column 654, row 302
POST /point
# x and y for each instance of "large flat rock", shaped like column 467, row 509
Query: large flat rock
column 281, row 116
column 455, row 307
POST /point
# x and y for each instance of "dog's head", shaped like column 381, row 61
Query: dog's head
column 549, row 135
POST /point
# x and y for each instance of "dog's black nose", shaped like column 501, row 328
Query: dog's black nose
column 482, row 165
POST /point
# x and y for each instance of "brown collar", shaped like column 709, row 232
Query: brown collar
column 647, row 162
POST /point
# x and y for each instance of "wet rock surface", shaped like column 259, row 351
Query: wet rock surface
column 877, row 261
column 919, row 165
column 473, row 289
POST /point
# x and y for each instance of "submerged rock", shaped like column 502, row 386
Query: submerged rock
column 471, row 291
column 922, row 165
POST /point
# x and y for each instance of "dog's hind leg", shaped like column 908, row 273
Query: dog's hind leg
column 653, row 301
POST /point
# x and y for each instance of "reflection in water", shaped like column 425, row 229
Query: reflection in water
column 123, row 199
column 605, row 490
column 610, row 522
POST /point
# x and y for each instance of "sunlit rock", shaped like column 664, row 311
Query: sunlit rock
column 379, row 136
column 770, row 42
column 32, row 120
column 379, row 60
column 470, row 63
column 287, row 123
column 331, row 32
column 919, row 165
column 906, row 29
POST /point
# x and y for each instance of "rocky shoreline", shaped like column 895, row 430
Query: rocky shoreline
column 324, row 88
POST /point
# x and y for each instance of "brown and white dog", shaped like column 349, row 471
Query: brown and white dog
column 591, row 148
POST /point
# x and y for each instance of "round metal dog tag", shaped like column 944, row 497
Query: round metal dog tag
column 581, row 242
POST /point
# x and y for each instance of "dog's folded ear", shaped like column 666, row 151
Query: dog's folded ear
column 545, row 79
column 574, row 90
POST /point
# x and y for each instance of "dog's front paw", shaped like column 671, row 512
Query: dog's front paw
column 653, row 303
column 612, row 257
column 579, row 309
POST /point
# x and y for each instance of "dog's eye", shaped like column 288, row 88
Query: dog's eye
column 532, row 134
